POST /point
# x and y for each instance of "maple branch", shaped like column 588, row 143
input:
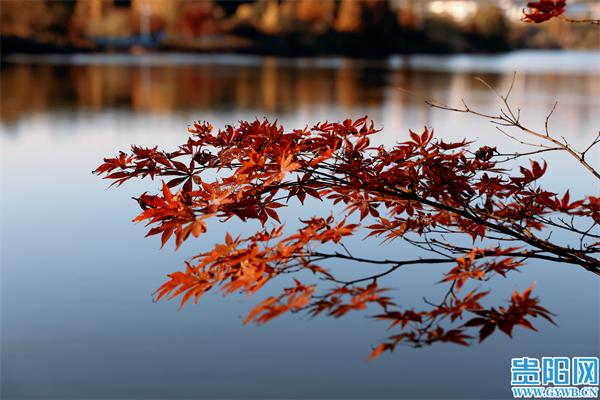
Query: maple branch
column 374, row 261
column 582, row 21
column 510, row 119
column 419, row 187
column 565, row 254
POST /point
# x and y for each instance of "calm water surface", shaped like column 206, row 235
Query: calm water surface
column 76, row 278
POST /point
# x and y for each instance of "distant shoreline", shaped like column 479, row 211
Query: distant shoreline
column 349, row 45
column 524, row 61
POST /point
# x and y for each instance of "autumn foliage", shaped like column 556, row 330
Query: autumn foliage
column 543, row 10
column 421, row 190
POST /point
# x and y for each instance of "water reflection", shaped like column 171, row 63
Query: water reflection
column 77, row 320
column 273, row 87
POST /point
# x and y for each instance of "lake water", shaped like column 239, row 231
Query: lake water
column 76, row 278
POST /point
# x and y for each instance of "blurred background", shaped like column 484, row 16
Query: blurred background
column 364, row 28
column 81, row 80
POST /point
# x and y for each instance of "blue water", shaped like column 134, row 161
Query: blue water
column 77, row 318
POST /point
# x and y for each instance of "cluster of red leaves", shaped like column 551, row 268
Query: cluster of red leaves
column 467, row 268
column 521, row 306
column 543, row 10
column 418, row 188
column 423, row 328
column 246, row 264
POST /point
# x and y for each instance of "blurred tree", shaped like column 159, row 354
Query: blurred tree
column 488, row 29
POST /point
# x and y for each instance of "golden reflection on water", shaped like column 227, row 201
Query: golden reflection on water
column 273, row 87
